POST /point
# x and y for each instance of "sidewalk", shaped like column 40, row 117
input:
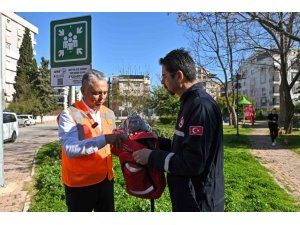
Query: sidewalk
column 18, row 161
column 283, row 164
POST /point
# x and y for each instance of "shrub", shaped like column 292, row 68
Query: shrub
column 259, row 115
column 168, row 119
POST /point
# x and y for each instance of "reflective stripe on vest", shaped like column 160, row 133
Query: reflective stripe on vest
column 93, row 168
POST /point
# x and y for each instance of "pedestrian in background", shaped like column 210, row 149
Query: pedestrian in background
column 273, row 125
column 85, row 132
column 194, row 159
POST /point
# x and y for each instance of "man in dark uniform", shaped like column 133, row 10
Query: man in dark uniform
column 273, row 125
column 194, row 159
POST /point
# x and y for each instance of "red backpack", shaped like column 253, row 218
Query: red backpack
column 140, row 180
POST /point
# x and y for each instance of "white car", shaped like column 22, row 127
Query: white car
column 10, row 127
column 26, row 120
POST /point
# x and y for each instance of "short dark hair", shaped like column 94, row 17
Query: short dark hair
column 179, row 59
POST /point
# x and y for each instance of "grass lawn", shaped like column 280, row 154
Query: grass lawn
column 249, row 188
column 293, row 141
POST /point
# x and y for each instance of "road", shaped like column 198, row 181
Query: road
column 18, row 161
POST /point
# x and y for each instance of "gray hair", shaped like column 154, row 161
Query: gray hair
column 91, row 75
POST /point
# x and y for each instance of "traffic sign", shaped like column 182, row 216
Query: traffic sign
column 71, row 42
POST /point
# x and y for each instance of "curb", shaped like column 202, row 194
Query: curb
column 28, row 197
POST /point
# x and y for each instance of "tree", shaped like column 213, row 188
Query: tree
column 280, row 30
column 163, row 103
column 297, row 108
column 217, row 45
column 45, row 102
column 26, row 67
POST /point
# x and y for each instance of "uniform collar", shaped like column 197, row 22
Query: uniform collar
column 195, row 87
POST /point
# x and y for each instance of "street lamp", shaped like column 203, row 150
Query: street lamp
column 237, row 105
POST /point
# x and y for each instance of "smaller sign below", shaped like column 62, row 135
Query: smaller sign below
column 68, row 76
column 121, row 108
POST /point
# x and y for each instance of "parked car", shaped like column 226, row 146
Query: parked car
column 26, row 120
column 10, row 127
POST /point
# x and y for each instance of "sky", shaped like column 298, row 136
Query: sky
column 122, row 42
column 129, row 37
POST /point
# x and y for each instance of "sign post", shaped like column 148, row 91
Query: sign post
column 2, row 181
column 70, row 50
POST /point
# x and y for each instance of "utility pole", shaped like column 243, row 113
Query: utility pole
column 2, row 182
column 108, row 94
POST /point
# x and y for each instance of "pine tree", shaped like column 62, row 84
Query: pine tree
column 26, row 69
column 44, row 92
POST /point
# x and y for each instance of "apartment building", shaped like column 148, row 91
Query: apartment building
column 128, row 85
column 261, row 79
column 61, row 94
column 12, row 29
column 211, row 86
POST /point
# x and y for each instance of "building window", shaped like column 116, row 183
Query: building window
column 263, row 101
column 8, row 33
column 263, row 92
column 263, row 75
column 295, row 64
column 136, row 84
column 275, row 77
column 294, row 75
column 274, row 101
column 8, row 45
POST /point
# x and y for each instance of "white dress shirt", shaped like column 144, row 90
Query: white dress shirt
column 68, row 135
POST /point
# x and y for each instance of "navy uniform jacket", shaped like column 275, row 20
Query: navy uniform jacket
column 273, row 120
column 195, row 177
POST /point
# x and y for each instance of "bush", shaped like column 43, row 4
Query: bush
column 259, row 115
column 168, row 119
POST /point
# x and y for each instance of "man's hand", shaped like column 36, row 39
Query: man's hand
column 116, row 139
column 142, row 156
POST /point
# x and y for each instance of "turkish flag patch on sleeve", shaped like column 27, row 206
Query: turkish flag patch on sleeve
column 196, row 130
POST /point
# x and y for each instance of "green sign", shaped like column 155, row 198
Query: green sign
column 71, row 42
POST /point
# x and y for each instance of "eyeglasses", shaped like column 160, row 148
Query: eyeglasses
column 163, row 76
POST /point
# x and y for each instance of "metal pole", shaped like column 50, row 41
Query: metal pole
column 71, row 95
column 152, row 205
column 2, row 181
column 237, row 105
column 108, row 94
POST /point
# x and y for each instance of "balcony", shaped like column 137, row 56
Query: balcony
column 12, row 54
column 275, row 83
column 275, row 94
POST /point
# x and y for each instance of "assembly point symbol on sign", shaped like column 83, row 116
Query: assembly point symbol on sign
column 71, row 42
column 70, row 46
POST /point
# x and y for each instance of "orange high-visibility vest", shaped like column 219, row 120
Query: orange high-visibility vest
column 93, row 168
